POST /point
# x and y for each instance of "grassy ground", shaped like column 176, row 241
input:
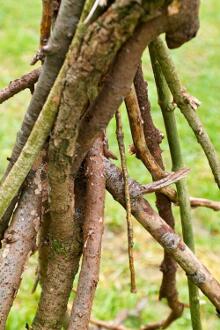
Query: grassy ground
column 198, row 66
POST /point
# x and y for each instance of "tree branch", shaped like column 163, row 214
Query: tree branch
column 152, row 136
column 163, row 234
column 93, row 230
column 19, row 241
column 57, row 47
column 187, row 106
column 120, row 139
column 18, row 85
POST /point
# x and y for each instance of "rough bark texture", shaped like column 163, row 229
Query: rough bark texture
column 26, row 81
column 57, row 47
column 153, row 139
column 56, row 50
column 19, row 241
column 163, row 234
column 116, row 86
column 65, row 246
column 92, row 232
column 185, row 22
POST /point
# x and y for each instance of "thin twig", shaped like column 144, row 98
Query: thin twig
column 18, row 85
column 107, row 325
column 164, row 100
column 203, row 202
column 120, row 139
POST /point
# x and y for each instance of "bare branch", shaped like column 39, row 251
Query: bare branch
column 152, row 136
column 163, row 234
column 183, row 101
column 18, row 85
column 120, row 138
column 92, row 232
column 19, row 241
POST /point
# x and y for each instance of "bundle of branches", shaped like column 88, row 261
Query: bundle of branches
column 52, row 194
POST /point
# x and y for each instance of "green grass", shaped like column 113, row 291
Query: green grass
column 199, row 68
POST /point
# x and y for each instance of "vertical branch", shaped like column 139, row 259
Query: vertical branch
column 65, row 243
column 18, row 242
column 177, row 160
column 46, row 21
column 153, row 139
column 141, row 148
column 187, row 106
column 92, row 232
column 120, row 138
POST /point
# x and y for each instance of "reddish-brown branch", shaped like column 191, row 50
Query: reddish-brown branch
column 141, row 147
column 26, row 81
column 203, row 202
column 152, row 136
column 92, row 232
column 19, row 241
column 116, row 86
column 163, row 234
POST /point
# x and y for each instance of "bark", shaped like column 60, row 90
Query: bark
column 19, row 241
column 92, row 232
column 26, row 81
column 57, row 47
column 152, row 136
column 163, row 234
column 116, row 86
column 141, row 148
column 91, row 63
column 185, row 22
column 64, row 246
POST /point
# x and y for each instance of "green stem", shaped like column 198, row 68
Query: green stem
column 183, row 102
column 165, row 100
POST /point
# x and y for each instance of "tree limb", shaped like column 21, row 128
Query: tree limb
column 19, row 241
column 57, row 47
column 18, row 85
column 93, row 230
column 152, row 137
column 187, row 107
column 163, row 234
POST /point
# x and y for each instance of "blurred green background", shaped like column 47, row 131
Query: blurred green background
column 198, row 64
